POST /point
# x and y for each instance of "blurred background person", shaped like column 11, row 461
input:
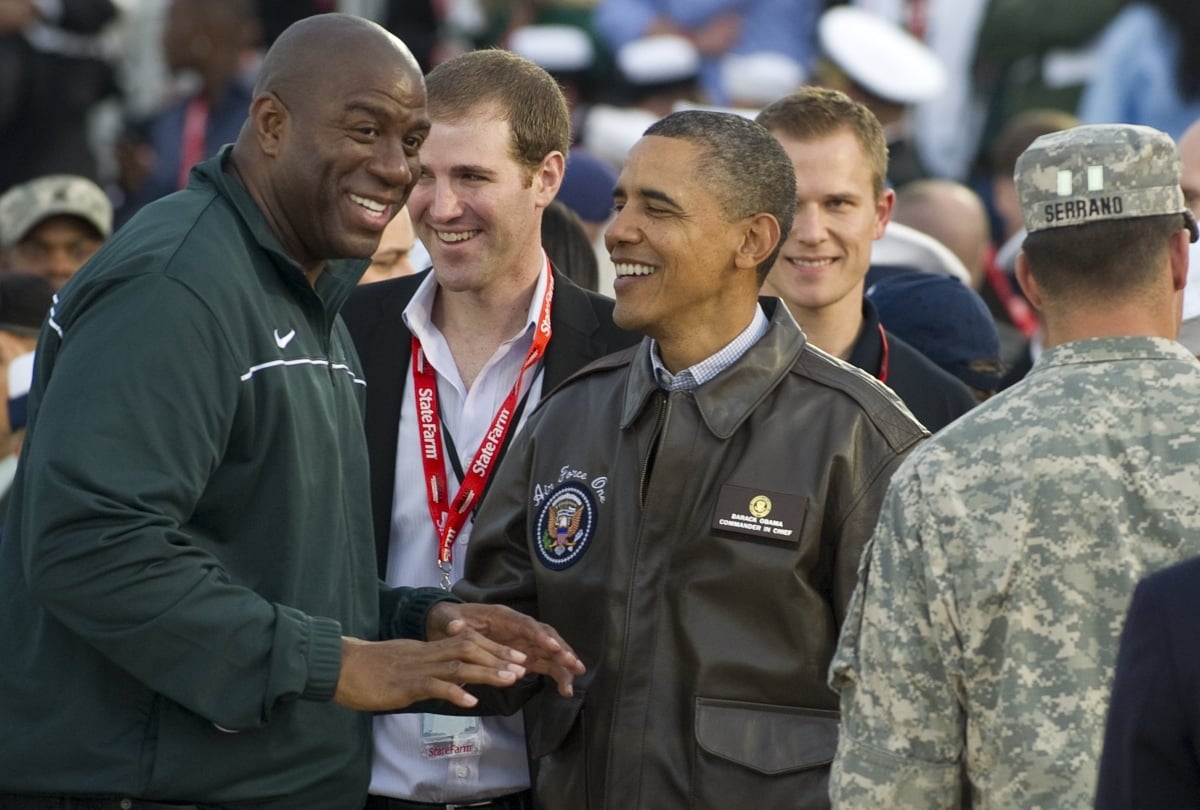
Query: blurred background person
column 947, row 126
column 206, row 45
column 55, row 73
column 1147, row 68
column 658, row 72
column 25, row 301
column 1013, row 139
column 954, row 215
column 1189, row 158
column 395, row 254
column 52, row 225
column 716, row 28
column 1035, row 54
column 887, row 70
column 1016, row 321
column 568, row 54
column 566, row 242
column 751, row 81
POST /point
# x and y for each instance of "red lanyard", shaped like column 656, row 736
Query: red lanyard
column 448, row 518
column 1019, row 312
column 195, row 122
column 918, row 18
column 883, row 360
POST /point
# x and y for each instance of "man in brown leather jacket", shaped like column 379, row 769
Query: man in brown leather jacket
column 690, row 512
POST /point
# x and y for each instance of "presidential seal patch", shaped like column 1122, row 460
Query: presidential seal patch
column 565, row 525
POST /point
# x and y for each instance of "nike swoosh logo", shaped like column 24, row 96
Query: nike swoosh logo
column 283, row 340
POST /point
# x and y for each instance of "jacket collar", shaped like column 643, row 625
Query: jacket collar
column 729, row 398
column 576, row 332
column 867, row 351
column 337, row 280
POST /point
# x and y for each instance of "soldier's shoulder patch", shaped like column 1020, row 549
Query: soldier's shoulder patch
column 565, row 526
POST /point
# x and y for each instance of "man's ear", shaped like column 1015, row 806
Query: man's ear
column 1180, row 253
column 759, row 237
column 548, row 177
column 884, row 205
column 1028, row 283
column 269, row 118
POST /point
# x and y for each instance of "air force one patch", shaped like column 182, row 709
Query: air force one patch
column 566, row 523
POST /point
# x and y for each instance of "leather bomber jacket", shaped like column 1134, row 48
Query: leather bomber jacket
column 698, row 550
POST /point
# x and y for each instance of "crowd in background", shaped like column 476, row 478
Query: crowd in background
column 130, row 94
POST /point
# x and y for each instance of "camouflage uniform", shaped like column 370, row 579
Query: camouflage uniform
column 974, row 666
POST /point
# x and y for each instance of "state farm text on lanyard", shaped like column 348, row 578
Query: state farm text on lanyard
column 449, row 517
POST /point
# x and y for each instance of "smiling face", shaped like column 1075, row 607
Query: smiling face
column 828, row 252
column 477, row 209
column 675, row 251
column 345, row 154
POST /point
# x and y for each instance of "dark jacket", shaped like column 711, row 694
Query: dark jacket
column 188, row 537
column 935, row 396
column 1152, row 741
column 52, row 77
column 581, row 331
column 698, row 550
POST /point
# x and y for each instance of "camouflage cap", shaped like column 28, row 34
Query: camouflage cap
column 1097, row 172
column 25, row 205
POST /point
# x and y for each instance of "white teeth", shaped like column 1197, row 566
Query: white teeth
column 627, row 269
column 460, row 236
column 812, row 262
column 371, row 205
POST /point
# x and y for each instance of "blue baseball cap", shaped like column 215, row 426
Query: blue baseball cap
column 587, row 186
column 943, row 319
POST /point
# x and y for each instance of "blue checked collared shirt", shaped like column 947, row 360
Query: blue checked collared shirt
column 695, row 376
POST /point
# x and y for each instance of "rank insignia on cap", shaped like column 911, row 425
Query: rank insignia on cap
column 566, row 523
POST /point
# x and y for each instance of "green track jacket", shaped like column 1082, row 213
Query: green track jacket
column 190, row 532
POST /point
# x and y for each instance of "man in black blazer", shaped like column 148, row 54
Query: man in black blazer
column 583, row 330
column 455, row 358
column 1152, row 741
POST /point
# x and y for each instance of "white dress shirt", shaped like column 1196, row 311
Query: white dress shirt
column 400, row 767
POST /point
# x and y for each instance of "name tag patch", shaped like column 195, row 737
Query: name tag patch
column 759, row 513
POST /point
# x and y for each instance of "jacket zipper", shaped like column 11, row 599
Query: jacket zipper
column 664, row 409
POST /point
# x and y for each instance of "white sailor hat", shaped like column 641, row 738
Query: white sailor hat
column 879, row 56
column 756, row 79
column 659, row 59
column 610, row 132
column 555, row 48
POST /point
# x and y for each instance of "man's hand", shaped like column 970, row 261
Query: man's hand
column 544, row 650
column 385, row 676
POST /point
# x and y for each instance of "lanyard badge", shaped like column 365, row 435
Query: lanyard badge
column 449, row 517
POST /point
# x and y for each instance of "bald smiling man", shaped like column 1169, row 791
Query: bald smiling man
column 191, row 611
